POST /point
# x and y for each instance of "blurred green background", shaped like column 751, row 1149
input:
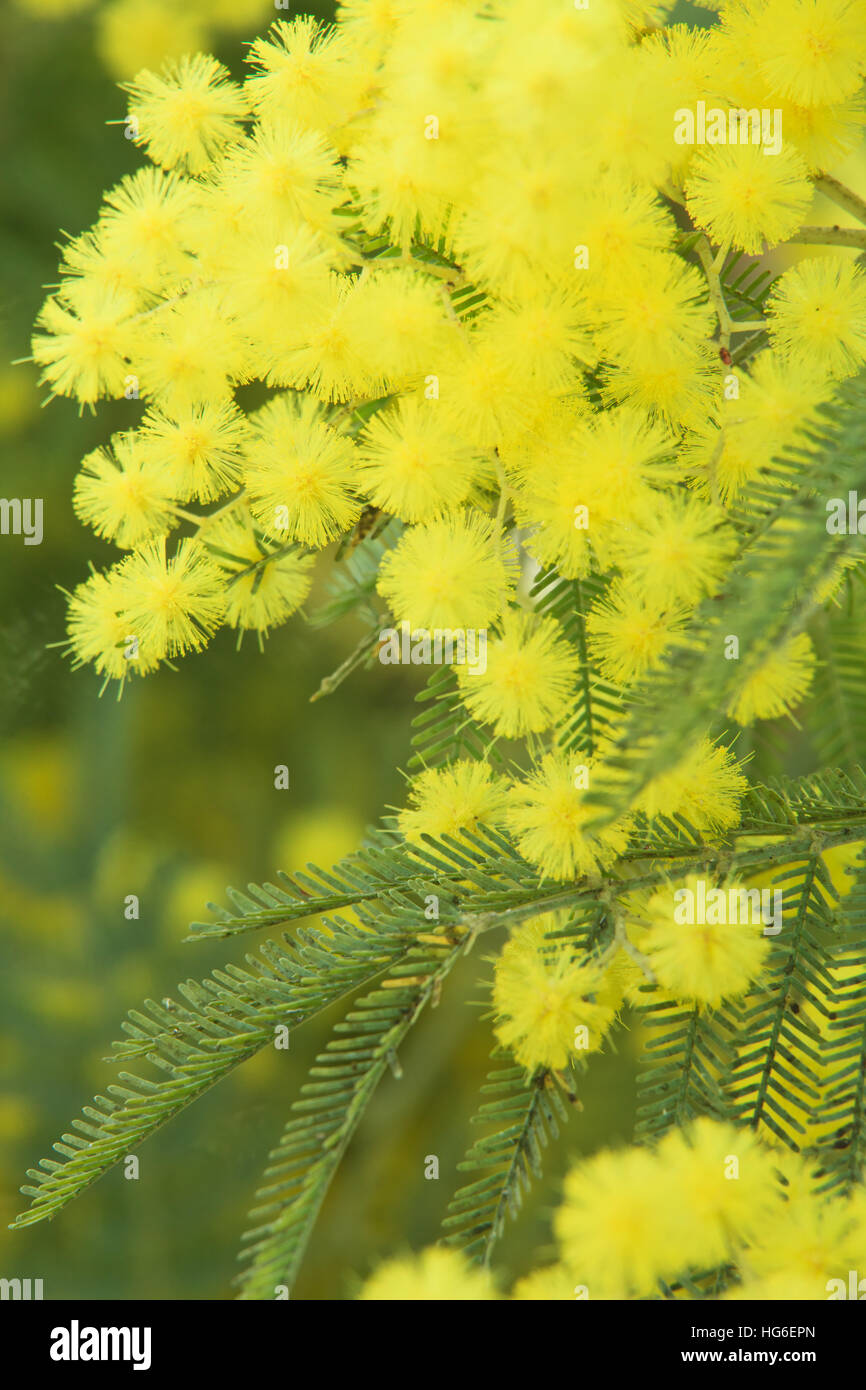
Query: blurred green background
column 169, row 795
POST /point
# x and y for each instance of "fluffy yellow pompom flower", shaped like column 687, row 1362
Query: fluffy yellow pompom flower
column 779, row 684
column 776, row 405
column 482, row 393
column 700, row 962
column 388, row 170
column 200, row 448
column 744, row 199
column 285, row 173
column 680, row 385
column 817, row 315
column 628, row 636
column 684, row 61
column 659, row 305
column 446, row 800
column 99, row 629
column 95, row 267
column 123, row 495
column 548, row 814
column 403, row 326
column 621, row 1226
column 620, row 454
column 812, row 51
column 557, row 508
column 299, row 472
column 576, row 493
column 619, row 220
column 173, row 604
column 372, row 22
column 529, row 678
column 303, row 73
column 727, row 1183
column 434, row 1274
column 634, row 1216
column 167, row 352
column 630, row 127
column 541, row 339
column 328, row 358
column 265, row 586
column 271, row 280
column 678, row 552
column 825, row 135
column 517, row 223
column 145, row 218
column 83, row 353
column 412, row 465
column 705, row 788
column 711, row 1193
column 187, row 113
column 453, row 572
column 544, row 1000
column 812, row 1243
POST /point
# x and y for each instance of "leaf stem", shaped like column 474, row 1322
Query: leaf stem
column 853, row 237
column 841, row 195
column 622, row 937
column 365, row 647
column 713, row 266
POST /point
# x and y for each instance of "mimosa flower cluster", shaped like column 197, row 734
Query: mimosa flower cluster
column 459, row 271
column 439, row 282
column 458, row 268
column 638, row 1223
column 550, row 1003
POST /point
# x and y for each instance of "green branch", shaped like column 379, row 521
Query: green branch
column 838, row 193
column 853, row 237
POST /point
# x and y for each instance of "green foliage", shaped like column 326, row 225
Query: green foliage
column 837, row 713
column 525, row 1115
column 226, row 1019
column 769, row 597
column 482, row 883
column 444, row 731
column 386, row 962
column 685, row 1052
column 595, row 702
column 341, row 1084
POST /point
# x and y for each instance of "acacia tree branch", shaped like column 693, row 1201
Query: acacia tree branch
column 713, row 266
column 843, row 197
column 365, row 648
column 854, row 237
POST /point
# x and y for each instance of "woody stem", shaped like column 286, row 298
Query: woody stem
column 854, row 237
column 843, row 197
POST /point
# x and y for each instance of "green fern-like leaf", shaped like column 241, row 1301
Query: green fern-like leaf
column 836, row 714
column 769, row 596
column 774, row 1080
column 687, row 1054
column 342, row 1082
column 842, row 1104
column 524, row 1115
column 444, row 731
column 745, row 285
column 352, row 585
column 226, row 1019
column 596, row 703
